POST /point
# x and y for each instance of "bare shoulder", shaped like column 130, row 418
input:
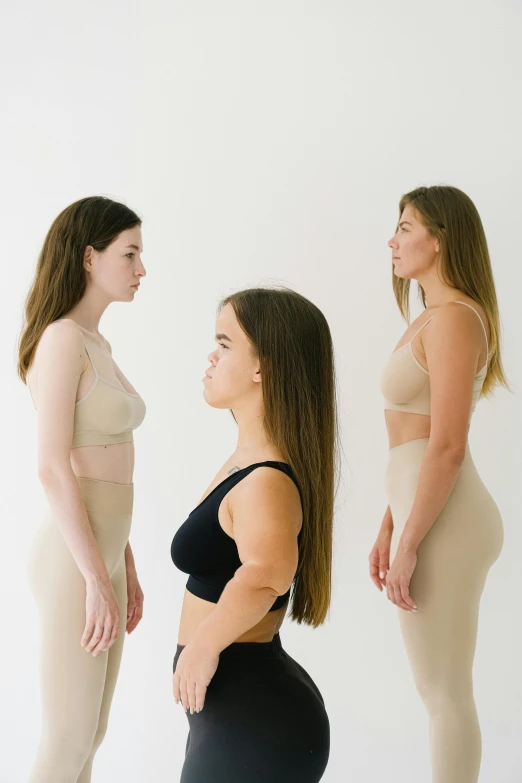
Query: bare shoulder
column 269, row 489
column 63, row 339
column 462, row 316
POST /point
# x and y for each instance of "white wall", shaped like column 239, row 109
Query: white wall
column 261, row 141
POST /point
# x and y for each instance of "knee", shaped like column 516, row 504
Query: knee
column 445, row 696
column 63, row 755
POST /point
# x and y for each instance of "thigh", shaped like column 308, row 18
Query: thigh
column 72, row 681
column 447, row 586
column 119, row 583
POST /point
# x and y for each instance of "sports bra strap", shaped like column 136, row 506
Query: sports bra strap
column 422, row 327
column 457, row 301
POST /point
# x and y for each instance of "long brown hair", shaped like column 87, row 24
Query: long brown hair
column 60, row 278
column 451, row 217
column 291, row 337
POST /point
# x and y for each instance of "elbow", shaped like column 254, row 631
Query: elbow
column 258, row 577
column 452, row 452
column 51, row 472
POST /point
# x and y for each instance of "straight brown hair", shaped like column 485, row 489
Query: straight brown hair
column 60, row 278
column 291, row 337
column 451, row 216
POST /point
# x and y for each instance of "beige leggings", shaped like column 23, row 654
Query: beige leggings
column 452, row 566
column 76, row 688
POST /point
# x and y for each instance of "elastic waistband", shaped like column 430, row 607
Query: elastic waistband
column 106, row 497
column 249, row 649
column 416, row 443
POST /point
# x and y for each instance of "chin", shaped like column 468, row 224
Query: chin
column 213, row 402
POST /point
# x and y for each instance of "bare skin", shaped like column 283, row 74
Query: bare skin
column 453, row 347
column 61, row 374
column 262, row 513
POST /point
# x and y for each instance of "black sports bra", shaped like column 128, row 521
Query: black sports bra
column 202, row 549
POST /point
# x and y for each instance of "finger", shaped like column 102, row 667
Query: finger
column 138, row 614
column 384, row 565
column 374, row 574
column 184, row 694
column 131, row 606
column 398, row 597
column 176, row 688
column 95, row 638
column 105, row 638
column 90, row 625
column 115, row 631
column 191, row 693
column 130, row 621
column 406, row 597
column 135, row 619
column 201, row 692
column 390, row 589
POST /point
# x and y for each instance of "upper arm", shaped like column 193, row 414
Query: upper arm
column 266, row 515
column 452, row 346
column 60, row 359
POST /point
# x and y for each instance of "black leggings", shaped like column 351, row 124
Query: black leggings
column 263, row 721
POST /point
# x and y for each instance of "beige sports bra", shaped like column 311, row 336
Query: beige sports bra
column 107, row 413
column 405, row 383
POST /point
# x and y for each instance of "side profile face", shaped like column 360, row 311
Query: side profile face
column 414, row 250
column 233, row 379
column 117, row 270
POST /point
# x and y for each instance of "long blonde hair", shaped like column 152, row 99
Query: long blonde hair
column 291, row 337
column 60, row 279
column 451, row 217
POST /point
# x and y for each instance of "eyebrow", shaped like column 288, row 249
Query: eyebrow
column 135, row 247
column 404, row 223
column 223, row 337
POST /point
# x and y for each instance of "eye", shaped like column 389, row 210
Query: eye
column 129, row 255
column 222, row 345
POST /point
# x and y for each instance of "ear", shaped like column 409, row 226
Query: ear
column 87, row 258
column 257, row 376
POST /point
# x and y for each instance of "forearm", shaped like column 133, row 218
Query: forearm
column 243, row 603
column 439, row 471
column 65, row 500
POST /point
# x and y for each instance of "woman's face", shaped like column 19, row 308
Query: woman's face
column 414, row 249
column 234, row 376
column 118, row 269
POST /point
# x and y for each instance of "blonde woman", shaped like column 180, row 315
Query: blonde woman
column 81, row 565
column 442, row 530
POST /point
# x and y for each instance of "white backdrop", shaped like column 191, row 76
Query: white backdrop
column 261, row 141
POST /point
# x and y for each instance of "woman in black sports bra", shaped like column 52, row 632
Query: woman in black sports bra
column 260, row 538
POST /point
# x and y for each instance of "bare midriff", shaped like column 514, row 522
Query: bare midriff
column 114, row 463
column 403, row 427
column 195, row 610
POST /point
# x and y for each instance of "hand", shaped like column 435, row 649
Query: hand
column 194, row 671
column 380, row 558
column 399, row 578
column 135, row 599
column 102, row 617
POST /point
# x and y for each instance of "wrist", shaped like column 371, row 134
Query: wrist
column 407, row 546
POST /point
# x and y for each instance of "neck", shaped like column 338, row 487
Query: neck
column 90, row 309
column 252, row 441
column 436, row 292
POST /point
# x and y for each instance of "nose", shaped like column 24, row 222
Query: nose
column 140, row 269
column 212, row 357
column 392, row 243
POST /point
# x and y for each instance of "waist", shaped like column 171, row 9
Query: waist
column 114, row 463
column 106, row 497
column 90, row 438
column 254, row 650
